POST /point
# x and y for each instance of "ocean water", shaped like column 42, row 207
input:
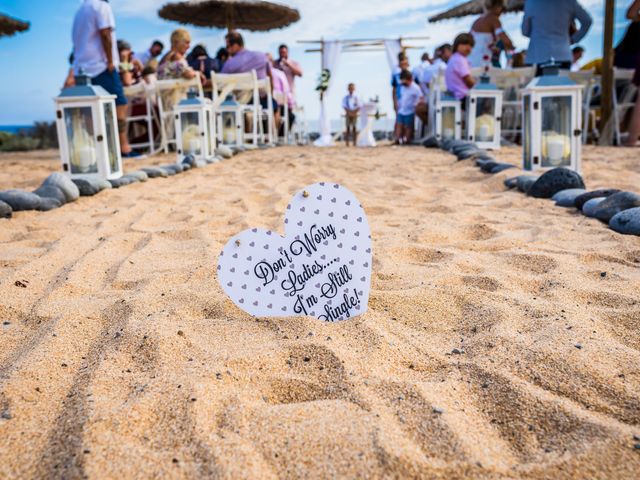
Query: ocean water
column 15, row 129
column 383, row 124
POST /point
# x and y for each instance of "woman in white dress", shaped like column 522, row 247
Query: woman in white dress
column 487, row 31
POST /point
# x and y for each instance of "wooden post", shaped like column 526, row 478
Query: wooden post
column 607, row 71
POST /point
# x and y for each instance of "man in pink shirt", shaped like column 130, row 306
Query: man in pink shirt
column 457, row 76
column 242, row 60
column 291, row 68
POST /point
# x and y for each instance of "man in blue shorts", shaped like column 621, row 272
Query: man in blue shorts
column 96, row 55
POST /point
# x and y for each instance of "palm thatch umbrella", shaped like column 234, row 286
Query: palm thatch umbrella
column 9, row 26
column 254, row 15
column 475, row 7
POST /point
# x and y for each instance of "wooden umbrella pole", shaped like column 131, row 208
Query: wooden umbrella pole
column 228, row 13
column 607, row 67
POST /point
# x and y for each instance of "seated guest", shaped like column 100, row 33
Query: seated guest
column 148, row 57
column 174, row 64
column 221, row 56
column 576, row 55
column 130, row 69
column 242, row 60
column 200, row 61
column 458, row 73
column 410, row 97
column 351, row 106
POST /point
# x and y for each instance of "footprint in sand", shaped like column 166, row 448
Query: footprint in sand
column 421, row 255
column 479, row 231
column 537, row 264
column 487, row 284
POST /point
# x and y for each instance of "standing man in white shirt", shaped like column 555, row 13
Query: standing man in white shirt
column 418, row 72
column 96, row 55
column 441, row 57
column 351, row 105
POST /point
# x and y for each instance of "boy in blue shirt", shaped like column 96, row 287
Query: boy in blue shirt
column 410, row 96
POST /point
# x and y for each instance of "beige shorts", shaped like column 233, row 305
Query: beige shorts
column 351, row 122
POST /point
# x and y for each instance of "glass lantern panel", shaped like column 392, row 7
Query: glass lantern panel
column 110, row 135
column 485, row 119
column 191, row 138
column 448, row 122
column 229, row 127
column 526, row 132
column 556, row 131
column 83, row 156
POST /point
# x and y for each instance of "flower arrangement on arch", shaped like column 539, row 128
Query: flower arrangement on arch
column 323, row 81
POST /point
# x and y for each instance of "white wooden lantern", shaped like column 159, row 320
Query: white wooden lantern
column 551, row 122
column 484, row 112
column 88, row 131
column 448, row 118
column 230, row 118
column 195, row 128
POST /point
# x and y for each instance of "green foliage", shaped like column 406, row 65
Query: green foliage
column 42, row 135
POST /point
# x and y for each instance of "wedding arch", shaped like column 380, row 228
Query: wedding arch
column 330, row 51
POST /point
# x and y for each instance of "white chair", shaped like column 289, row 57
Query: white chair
column 281, row 99
column 144, row 94
column 511, row 82
column 587, row 79
column 245, row 88
column 264, row 85
column 169, row 93
column 299, row 130
column 437, row 85
column 624, row 92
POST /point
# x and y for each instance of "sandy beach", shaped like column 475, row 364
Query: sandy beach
column 502, row 338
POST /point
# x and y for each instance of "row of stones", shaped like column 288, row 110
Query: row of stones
column 58, row 189
column 619, row 209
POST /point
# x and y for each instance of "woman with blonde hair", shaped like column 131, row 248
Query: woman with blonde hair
column 174, row 64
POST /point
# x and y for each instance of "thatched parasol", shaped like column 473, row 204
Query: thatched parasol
column 254, row 15
column 9, row 26
column 475, row 7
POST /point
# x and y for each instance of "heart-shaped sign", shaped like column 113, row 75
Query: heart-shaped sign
column 320, row 268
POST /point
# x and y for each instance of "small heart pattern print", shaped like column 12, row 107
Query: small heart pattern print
column 321, row 267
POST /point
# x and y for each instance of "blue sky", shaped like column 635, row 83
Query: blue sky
column 34, row 64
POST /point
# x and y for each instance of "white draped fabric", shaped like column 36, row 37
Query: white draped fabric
column 392, row 48
column 330, row 55
column 365, row 137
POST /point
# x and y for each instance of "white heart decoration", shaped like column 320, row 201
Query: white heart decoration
column 320, row 268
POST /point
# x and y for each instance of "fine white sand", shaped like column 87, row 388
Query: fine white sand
column 122, row 357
